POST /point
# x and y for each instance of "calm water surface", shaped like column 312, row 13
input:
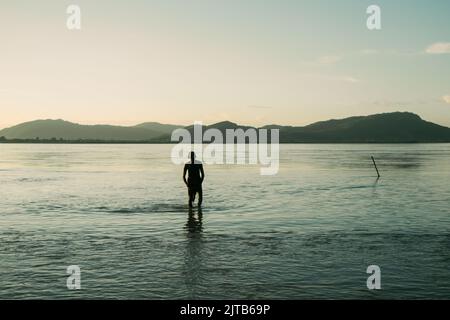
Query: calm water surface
column 120, row 213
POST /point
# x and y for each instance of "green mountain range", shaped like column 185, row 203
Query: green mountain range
column 60, row 129
column 383, row 128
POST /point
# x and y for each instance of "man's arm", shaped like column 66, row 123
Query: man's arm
column 202, row 172
column 184, row 174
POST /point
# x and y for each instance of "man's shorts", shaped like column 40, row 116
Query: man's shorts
column 194, row 186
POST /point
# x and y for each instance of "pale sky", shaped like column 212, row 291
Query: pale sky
column 249, row 61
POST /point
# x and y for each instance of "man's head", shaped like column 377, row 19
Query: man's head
column 192, row 156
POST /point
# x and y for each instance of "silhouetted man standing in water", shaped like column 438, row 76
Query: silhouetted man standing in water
column 195, row 179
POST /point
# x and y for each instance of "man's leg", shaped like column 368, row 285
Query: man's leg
column 191, row 196
column 200, row 196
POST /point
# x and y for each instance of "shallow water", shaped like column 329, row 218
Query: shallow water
column 120, row 213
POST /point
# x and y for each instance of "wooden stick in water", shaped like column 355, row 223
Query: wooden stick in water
column 373, row 160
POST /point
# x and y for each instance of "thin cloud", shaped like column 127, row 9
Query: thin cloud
column 419, row 102
column 333, row 59
column 438, row 48
column 326, row 60
column 369, row 51
column 259, row 107
column 388, row 52
column 338, row 78
column 446, row 99
column 349, row 79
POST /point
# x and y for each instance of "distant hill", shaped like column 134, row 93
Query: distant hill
column 60, row 129
column 383, row 128
column 158, row 127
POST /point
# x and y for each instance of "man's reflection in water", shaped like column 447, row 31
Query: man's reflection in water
column 194, row 254
column 194, row 224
